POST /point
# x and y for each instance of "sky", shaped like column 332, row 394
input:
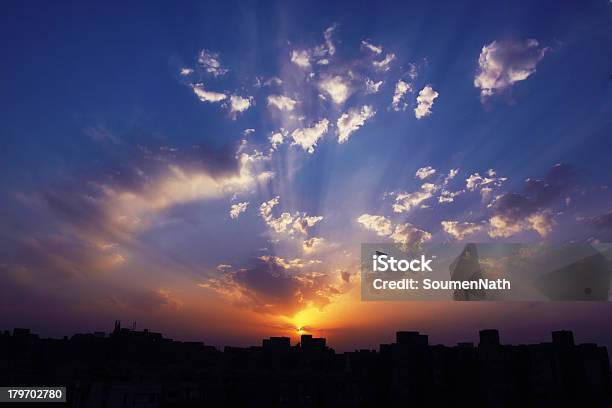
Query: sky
column 210, row 169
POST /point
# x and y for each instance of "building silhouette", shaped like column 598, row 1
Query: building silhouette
column 132, row 368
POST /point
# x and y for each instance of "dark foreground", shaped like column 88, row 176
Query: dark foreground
column 131, row 368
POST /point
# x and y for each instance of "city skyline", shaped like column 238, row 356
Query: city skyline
column 212, row 169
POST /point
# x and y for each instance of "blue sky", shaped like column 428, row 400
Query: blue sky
column 124, row 146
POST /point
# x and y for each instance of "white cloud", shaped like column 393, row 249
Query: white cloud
column 307, row 138
column 406, row 201
column 207, row 96
column 379, row 224
column 336, row 87
column 286, row 222
column 401, row 88
column 265, row 209
column 460, row 230
column 281, row 102
column 448, row 196
column 186, row 71
column 542, row 222
column 247, row 132
column 237, row 209
column 313, row 245
column 277, row 138
column 476, row 181
column 425, row 172
column 451, row 175
column 376, row 49
column 409, row 234
column 273, row 81
column 289, row 263
column 372, row 87
column 352, row 120
column 138, row 209
column 503, row 63
column 425, row 101
column 505, row 226
column 301, row 58
column 383, row 65
column 401, row 233
column 211, row 63
column 239, row 104
column 303, row 222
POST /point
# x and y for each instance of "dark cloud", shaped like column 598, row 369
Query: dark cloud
column 537, row 194
column 270, row 288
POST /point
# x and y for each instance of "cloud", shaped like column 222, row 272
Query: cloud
column 425, row 172
column 237, row 209
column 377, row 223
column 503, row 63
column 177, row 186
column 376, row 49
column 286, row 222
column 312, row 245
column 505, row 226
column 447, row 196
column 352, row 120
column 401, row 88
column 290, row 263
column 485, row 183
column 512, row 213
column 327, row 34
column 210, row 62
column 273, row 81
column 301, row 58
column 265, row 209
column 207, row 96
column 274, row 287
column 281, row 102
column 281, row 223
column 603, row 221
column 406, row 201
column 409, row 235
column 425, row 102
column 186, row 71
column 152, row 300
column 336, row 87
column 372, row 87
column 308, row 137
column 459, row 230
column 384, row 64
column 302, row 223
column 402, row 233
column 239, row 104
column 451, row 175
column 412, row 72
column 277, row 138
column 135, row 207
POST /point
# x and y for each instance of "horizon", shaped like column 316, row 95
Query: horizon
column 118, row 328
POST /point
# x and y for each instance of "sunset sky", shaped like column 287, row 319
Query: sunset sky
column 210, row 169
